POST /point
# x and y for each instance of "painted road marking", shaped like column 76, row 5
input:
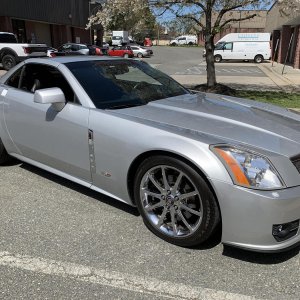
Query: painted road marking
column 113, row 279
column 202, row 70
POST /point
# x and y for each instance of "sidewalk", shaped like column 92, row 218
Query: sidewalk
column 273, row 81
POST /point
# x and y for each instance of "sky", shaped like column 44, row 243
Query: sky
column 168, row 16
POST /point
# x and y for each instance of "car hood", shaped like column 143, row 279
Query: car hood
column 225, row 119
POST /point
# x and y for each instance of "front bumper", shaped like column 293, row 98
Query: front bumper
column 248, row 216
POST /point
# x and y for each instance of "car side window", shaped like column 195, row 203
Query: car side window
column 40, row 76
column 74, row 47
column 14, row 79
column 228, row 46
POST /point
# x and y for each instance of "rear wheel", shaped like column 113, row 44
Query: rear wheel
column 218, row 58
column 8, row 61
column 4, row 157
column 175, row 201
column 258, row 59
column 139, row 55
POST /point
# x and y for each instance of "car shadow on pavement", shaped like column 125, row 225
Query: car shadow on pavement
column 80, row 189
column 212, row 241
column 260, row 258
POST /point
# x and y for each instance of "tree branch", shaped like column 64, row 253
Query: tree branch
column 233, row 20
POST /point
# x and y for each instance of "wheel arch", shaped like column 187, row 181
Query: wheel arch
column 5, row 51
column 138, row 160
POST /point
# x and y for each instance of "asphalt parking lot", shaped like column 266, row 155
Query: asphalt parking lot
column 190, row 61
column 59, row 240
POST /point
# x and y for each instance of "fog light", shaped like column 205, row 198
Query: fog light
column 282, row 232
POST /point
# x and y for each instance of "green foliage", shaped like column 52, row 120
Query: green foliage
column 288, row 100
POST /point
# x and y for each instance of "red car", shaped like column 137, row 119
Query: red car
column 123, row 51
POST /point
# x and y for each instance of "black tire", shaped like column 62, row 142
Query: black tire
column 4, row 157
column 204, row 225
column 190, row 44
column 218, row 58
column 8, row 61
column 139, row 55
column 258, row 59
column 173, row 44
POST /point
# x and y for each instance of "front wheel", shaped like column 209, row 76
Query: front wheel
column 175, row 201
column 218, row 58
column 258, row 59
column 8, row 61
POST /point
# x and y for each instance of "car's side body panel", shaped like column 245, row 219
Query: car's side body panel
column 129, row 139
column 38, row 132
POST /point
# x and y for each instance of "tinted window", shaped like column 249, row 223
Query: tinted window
column 122, row 83
column 7, row 38
column 14, row 79
column 38, row 76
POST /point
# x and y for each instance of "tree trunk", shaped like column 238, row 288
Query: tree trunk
column 210, row 61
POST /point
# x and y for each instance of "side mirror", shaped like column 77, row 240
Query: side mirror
column 54, row 96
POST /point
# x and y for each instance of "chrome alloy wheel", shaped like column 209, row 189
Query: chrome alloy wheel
column 171, row 201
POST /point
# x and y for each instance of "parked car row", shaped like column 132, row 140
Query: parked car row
column 83, row 49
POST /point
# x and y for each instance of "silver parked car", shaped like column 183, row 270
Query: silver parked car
column 141, row 51
column 187, row 161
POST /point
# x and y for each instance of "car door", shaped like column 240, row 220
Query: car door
column 56, row 139
column 182, row 41
column 227, row 51
column 114, row 51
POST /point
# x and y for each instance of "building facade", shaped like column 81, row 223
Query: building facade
column 53, row 22
column 285, row 29
column 256, row 24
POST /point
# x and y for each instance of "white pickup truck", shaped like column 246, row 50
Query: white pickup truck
column 12, row 52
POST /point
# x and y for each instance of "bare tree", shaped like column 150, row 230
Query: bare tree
column 217, row 14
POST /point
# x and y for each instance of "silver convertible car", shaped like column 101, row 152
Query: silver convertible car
column 189, row 162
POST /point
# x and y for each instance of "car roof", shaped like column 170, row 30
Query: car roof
column 68, row 59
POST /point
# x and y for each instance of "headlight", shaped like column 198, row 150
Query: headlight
column 248, row 169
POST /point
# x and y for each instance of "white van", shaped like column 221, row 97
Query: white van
column 243, row 46
column 184, row 40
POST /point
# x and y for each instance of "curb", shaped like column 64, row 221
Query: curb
column 282, row 82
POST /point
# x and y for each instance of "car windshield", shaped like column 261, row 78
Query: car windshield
column 113, row 84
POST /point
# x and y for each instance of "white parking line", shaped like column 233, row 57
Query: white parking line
column 113, row 279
